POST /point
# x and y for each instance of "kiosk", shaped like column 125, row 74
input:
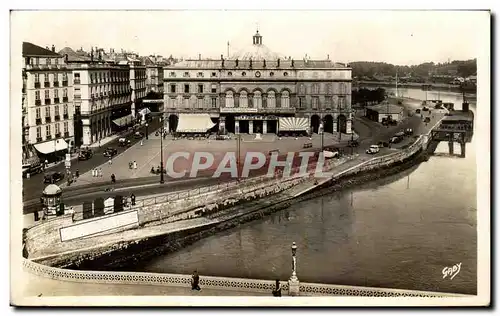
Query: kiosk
column 51, row 200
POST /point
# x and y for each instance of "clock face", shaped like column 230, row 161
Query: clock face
column 257, row 74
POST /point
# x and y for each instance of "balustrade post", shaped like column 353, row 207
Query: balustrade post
column 293, row 282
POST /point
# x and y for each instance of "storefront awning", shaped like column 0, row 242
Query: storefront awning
column 52, row 146
column 125, row 120
column 294, row 124
column 144, row 111
column 194, row 123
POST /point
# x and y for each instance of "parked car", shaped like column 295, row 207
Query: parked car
column 427, row 119
column 408, row 131
column 110, row 152
column 53, row 177
column 33, row 168
column 417, row 111
column 123, row 142
column 85, row 155
column 353, row 143
column 383, row 144
column 139, row 135
column 396, row 139
column 373, row 149
column 425, row 108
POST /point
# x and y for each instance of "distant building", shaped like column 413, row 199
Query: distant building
column 384, row 110
column 154, row 74
column 258, row 91
column 47, row 103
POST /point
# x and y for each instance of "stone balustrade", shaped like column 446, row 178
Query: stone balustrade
column 238, row 284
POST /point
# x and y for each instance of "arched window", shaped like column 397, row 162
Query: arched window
column 257, row 99
column 342, row 88
column 285, row 99
column 243, row 99
column 315, row 88
column 302, row 89
column 229, row 99
column 271, row 99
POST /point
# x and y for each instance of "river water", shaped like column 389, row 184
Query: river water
column 397, row 232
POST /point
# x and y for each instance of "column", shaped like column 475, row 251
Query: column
column 348, row 127
column 222, row 125
column 250, row 127
column 335, row 121
column 264, row 127
column 236, row 126
column 86, row 136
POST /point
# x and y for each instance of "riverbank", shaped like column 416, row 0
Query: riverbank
column 415, row 85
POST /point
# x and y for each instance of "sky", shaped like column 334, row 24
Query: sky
column 397, row 37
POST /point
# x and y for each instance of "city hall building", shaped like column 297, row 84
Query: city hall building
column 257, row 91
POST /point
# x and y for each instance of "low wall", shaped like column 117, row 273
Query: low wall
column 237, row 284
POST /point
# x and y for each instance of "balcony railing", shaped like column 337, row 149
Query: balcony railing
column 48, row 137
column 58, row 135
column 38, row 102
column 38, row 121
column 47, row 101
column 66, row 134
column 46, row 84
column 38, row 139
column 65, row 83
column 76, row 81
column 56, row 100
column 56, row 83
column 37, row 85
column 65, row 99
column 65, row 116
column 258, row 110
column 48, row 119
column 57, row 118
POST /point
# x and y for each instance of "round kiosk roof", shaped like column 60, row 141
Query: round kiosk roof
column 52, row 189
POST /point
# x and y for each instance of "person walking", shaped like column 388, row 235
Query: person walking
column 77, row 173
column 113, row 178
column 93, row 172
column 277, row 290
column 110, row 162
column 132, row 199
column 100, row 172
column 195, row 282
column 135, row 164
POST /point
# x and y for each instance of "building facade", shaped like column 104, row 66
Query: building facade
column 154, row 74
column 258, row 91
column 47, row 103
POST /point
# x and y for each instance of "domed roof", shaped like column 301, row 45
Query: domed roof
column 52, row 189
column 256, row 51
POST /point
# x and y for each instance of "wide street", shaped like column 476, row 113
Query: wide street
column 142, row 183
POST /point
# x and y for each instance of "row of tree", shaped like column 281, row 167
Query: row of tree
column 366, row 97
column 461, row 68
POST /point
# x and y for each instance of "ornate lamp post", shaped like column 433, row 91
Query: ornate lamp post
column 147, row 131
column 162, row 133
column 293, row 282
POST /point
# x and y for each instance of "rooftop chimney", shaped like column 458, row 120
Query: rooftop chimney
column 328, row 57
column 53, row 48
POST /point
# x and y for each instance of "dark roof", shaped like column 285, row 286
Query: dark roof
column 72, row 55
column 245, row 64
column 30, row 49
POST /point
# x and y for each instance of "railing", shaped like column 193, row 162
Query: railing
column 76, row 81
column 257, row 110
column 229, row 284
column 65, row 83
column 46, row 84
column 56, row 83
column 65, row 99
column 38, row 102
column 47, row 101
column 47, row 119
column 56, row 100
column 37, row 85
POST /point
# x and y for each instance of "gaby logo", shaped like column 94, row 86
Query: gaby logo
column 300, row 163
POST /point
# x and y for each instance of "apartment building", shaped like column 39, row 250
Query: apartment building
column 47, row 118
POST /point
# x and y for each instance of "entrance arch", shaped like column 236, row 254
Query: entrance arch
column 315, row 121
column 173, row 121
column 230, row 123
column 342, row 123
column 328, row 125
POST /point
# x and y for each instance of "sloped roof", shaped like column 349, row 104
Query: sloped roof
column 386, row 108
column 256, row 52
column 256, row 64
column 73, row 56
column 30, row 49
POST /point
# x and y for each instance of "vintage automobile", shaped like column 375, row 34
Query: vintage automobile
column 110, row 152
column 33, row 168
column 353, row 143
column 373, row 150
column 138, row 135
column 53, row 177
column 123, row 142
column 85, row 154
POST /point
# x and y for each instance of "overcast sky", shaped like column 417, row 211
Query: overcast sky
column 396, row 37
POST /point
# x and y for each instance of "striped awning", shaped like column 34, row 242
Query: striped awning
column 194, row 123
column 52, row 146
column 294, row 124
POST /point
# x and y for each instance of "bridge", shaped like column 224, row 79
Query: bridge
column 455, row 127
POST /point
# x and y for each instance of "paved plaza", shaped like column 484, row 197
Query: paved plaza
column 147, row 155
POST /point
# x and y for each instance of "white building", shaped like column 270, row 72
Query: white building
column 47, row 103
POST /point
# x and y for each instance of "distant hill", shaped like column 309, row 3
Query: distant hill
column 369, row 70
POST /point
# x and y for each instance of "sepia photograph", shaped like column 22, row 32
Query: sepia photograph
column 250, row 158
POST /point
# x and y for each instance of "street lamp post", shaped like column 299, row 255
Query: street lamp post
column 293, row 282
column 238, row 149
column 147, row 137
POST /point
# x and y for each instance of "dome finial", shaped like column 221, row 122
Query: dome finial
column 257, row 38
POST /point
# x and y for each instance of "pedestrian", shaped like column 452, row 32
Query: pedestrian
column 135, row 164
column 113, row 178
column 77, row 173
column 141, row 142
column 93, row 172
column 110, row 161
column 132, row 199
column 100, row 172
column 195, row 281
column 277, row 290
